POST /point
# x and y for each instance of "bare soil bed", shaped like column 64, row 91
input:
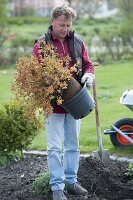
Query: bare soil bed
column 102, row 183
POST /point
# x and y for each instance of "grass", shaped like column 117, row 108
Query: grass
column 111, row 81
column 5, row 85
column 32, row 30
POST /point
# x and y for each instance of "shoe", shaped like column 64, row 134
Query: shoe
column 59, row 195
column 76, row 189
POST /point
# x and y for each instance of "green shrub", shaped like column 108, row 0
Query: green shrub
column 16, row 129
column 96, row 30
column 129, row 171
column 83, row 33
column 27, row 20
column 41, row 183
column 20, row 45
column 6, row 158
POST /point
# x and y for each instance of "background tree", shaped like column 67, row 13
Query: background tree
column 126, row 7
column 3, row 9
column 3, row 27
column 85, row 7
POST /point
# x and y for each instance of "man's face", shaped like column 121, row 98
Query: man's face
column 61, row 26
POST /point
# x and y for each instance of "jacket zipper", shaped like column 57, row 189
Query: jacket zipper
column 63, row 47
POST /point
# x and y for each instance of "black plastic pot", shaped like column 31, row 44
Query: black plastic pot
column 80, row 105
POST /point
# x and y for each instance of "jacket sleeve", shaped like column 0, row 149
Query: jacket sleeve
column 88, row 67
column 35, row 51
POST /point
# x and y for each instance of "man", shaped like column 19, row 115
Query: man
column 62, row 130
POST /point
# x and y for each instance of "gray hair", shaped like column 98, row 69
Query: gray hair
column 63, row 10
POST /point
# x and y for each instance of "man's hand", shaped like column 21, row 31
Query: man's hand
column 89, row 79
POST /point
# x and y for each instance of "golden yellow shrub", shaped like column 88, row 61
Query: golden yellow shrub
column 39, row 82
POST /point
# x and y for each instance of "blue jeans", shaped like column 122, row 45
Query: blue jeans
column 62, row 130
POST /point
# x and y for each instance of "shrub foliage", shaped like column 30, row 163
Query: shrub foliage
column 41, row 183
column 40, row 82
column 16, row 130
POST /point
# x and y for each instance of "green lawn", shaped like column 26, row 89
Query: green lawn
column 5, row 85
column 111, row 81
column 26, row 30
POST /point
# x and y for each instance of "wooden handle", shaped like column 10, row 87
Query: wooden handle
column 99, row 136
column 96, row 107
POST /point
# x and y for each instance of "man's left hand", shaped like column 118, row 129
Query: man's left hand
column 89, row 79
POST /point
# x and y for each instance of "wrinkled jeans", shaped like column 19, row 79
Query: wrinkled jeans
column 62, row 130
